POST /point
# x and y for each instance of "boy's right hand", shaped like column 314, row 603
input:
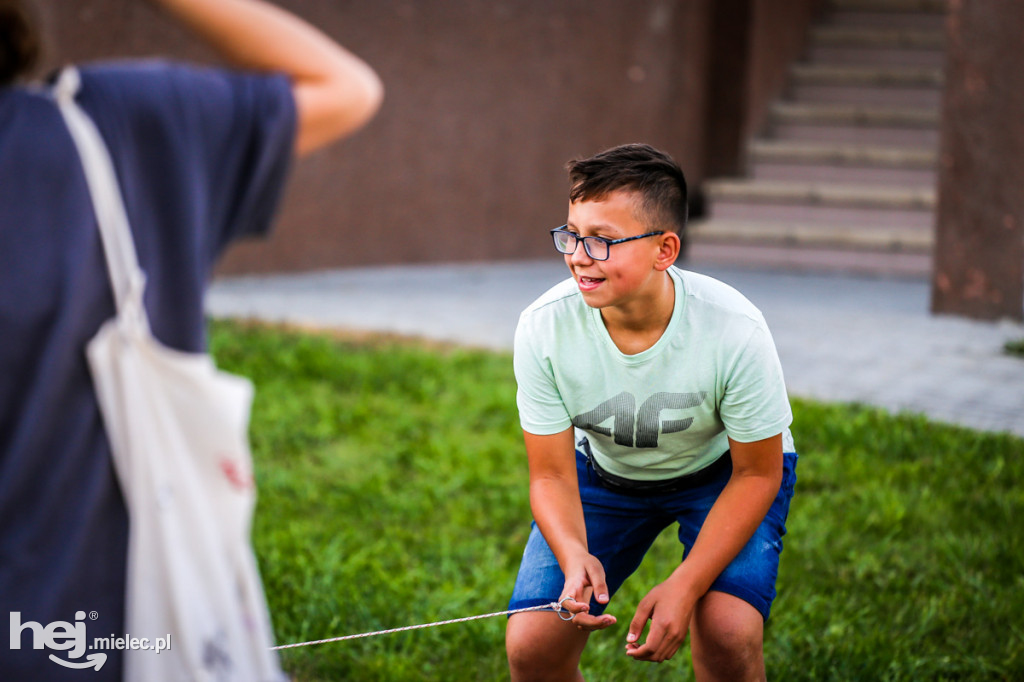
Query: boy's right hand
column 583, row 580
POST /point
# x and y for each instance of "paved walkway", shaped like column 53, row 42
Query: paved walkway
column 840, row 338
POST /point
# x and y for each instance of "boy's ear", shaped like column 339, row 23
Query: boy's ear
column 668, row 250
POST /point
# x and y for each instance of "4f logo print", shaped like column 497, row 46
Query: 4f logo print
column 646, row 423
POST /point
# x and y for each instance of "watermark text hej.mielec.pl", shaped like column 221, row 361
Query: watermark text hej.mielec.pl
column 71, row 637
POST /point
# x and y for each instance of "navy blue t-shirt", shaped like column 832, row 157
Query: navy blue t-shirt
column 201, row 156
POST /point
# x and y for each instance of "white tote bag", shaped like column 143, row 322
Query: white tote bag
column 178, row 432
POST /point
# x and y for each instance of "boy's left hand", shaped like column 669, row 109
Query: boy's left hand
column 669, row 609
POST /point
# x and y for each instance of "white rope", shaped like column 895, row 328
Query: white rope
column 554, row 606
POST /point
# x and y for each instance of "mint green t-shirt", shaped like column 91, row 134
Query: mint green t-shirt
column 668, row 410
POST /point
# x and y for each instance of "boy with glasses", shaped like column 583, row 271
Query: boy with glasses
column 647, row 395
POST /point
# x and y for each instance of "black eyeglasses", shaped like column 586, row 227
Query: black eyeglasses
column 597, row 248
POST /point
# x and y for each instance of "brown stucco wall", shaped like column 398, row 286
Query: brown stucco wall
column 485, row 102
column 979, row 239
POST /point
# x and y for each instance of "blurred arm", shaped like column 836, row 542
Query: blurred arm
column 335, row 91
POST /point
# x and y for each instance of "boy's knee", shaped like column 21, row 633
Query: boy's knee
column 517, row 647
column 730, row 656
column 540, row 650
column 728, row 641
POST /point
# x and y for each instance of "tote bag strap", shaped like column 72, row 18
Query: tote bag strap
column 126, row 277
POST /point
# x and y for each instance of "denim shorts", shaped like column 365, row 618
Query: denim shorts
column 621, row 528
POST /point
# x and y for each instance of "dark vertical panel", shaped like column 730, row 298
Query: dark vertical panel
column 779, row 38
column 979, row 246
column 728, row 66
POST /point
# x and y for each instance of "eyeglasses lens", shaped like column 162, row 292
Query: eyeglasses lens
column 596, row 248
column 565, row 242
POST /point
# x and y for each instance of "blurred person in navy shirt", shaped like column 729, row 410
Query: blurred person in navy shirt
column 201, row 155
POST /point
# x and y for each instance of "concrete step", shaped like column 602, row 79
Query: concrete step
column 866, row 76
column 867, row 37
column 843, row 164
column 824, row 203
column 864, row 236
column 865, row 45
column 854, row 124
column 915, row 265
column 844, row 155
column 882, row 56
column 890, row 6
column 825, row 194
column 927, row 15
column 904, row 20
column 849, row 175
column 875, row 85
column 885, row 97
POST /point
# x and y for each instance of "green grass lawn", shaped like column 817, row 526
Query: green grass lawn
column 393, row 492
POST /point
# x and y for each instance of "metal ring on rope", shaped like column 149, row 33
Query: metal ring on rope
column 561, row 609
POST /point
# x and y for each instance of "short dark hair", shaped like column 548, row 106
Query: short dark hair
column 20, row 40
column 639, row 168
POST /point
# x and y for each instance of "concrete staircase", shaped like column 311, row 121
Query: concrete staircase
column 843, row 175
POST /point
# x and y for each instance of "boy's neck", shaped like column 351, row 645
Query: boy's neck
column 638, row 326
